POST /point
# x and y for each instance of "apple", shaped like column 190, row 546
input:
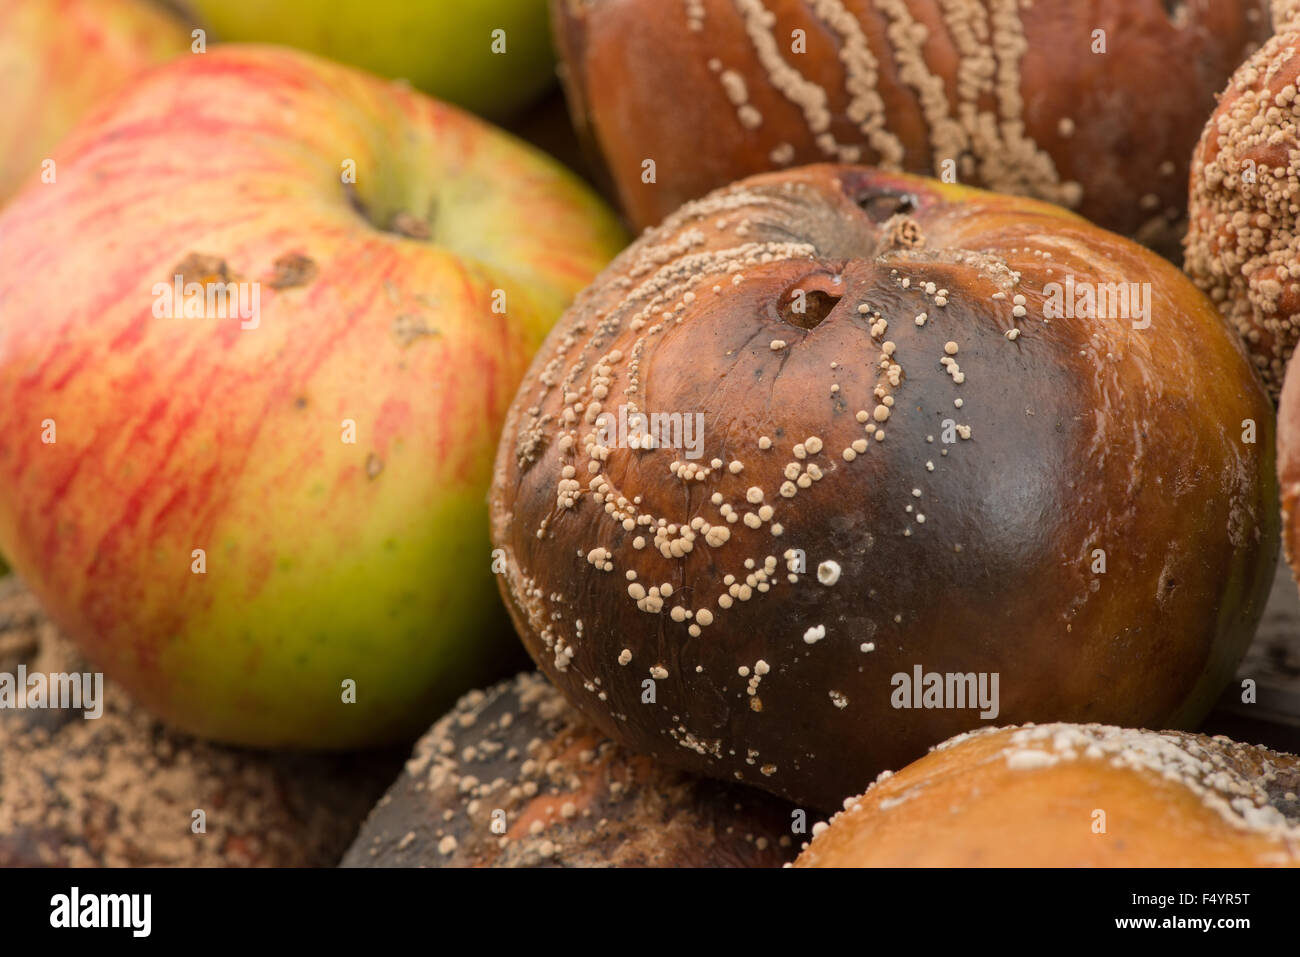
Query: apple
column 832, row 440
column 264, row 513
column 59, row 58
column 680, row 98
column 450, row 50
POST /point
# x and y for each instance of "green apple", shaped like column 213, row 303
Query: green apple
column 452, row 50
column 57, row 60
column 265, row 513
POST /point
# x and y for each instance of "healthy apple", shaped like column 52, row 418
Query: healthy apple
column 248, row 407
column 59, row 58
column 451, row 50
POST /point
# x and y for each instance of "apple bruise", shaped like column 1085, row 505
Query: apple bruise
column 694, row 545
column 293, row 269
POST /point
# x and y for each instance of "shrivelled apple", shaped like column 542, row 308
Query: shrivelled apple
column 58, row 58
column 490, row 56
column 256, row 345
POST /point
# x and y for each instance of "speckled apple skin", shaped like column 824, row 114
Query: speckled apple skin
column 513, row 776
column 975, row 554
column 1061, row 795
column 1007, row 96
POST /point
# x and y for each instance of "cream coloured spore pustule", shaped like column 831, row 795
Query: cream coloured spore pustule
column 702, row 501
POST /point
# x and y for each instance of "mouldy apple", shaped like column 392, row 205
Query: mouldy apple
column 451, row 50
column 238, row 503
column 57, row 60
column 515, row 761
column 1243, row 244
column 919, row 457
column 1016, row 97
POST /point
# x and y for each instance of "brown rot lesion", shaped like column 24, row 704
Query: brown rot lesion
column 293, row 269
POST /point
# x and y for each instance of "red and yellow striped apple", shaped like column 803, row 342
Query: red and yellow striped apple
column 60, row 58
column 238, row 505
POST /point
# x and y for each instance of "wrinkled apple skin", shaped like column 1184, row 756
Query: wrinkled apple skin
column 325, row 561
column 441, row 47
column 59, row 58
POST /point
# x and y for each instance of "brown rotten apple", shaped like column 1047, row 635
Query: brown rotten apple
column 1243, row 247
column 1061, row 100
column 514, row 777
column 1063, row 795
column 830, row 435
column 1288, row 466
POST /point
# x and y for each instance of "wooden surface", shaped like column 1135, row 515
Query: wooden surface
column 1273, row 662
column 121, row 790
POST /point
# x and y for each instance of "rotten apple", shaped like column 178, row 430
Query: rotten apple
column 837, row 463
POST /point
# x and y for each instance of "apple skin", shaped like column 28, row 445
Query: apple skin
column 1083, row 433
column 444, row 49
column 59, row 58
column 325, row 561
